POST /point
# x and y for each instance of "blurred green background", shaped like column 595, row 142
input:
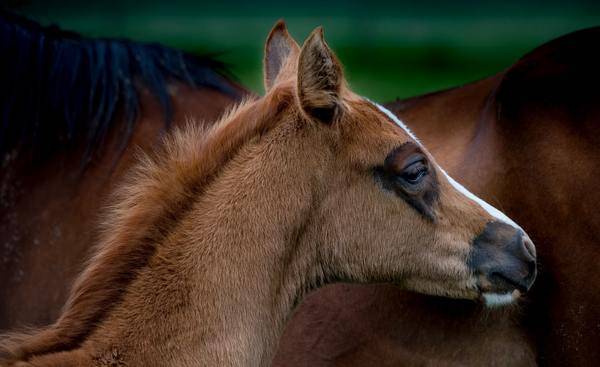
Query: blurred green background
column 390, row 49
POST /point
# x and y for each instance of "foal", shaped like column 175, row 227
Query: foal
column 218, row 237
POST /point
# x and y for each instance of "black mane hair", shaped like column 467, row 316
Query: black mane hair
column 58, row 87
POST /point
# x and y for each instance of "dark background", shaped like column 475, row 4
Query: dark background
column 389, row 48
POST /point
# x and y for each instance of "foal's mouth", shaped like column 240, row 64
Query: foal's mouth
column 497, row 291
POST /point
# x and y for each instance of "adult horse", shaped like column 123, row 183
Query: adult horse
column 217, row 238
column 526, row 139
column 66, row 99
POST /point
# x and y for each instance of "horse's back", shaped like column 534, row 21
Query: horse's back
column 561, row 77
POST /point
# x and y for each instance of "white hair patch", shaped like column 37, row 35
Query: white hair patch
column 498, row 299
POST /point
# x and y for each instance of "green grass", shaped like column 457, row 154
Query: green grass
column 386, row 54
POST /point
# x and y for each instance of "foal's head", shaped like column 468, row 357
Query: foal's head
column 387, row 211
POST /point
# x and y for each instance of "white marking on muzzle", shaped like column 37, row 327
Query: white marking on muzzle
column 460, row 188
column 498, row 299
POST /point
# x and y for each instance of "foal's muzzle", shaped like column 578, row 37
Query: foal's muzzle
column 503, row 259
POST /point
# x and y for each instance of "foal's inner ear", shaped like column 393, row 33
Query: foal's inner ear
column 280, row 46
column 320, row 79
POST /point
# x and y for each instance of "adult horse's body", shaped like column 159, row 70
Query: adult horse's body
column 214, row 240
column 49, row 213
column 526, row 139
column 66, row 99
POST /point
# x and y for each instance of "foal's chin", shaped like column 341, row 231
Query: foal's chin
column 495, row 297
column 460, row 290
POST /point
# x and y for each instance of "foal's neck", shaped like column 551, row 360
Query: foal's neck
column 248, row 261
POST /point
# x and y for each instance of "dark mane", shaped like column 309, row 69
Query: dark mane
column 59, row 87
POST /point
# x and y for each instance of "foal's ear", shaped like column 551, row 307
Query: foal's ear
column 320, row 79
column 279, row 47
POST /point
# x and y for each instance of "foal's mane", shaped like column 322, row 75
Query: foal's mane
column 158, row 193
column 59, row 87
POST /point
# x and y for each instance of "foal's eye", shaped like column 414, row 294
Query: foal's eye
column 414, row 171
column 408, row 173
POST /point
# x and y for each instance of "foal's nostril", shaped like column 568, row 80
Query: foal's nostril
column 529, row 247
column 529, row 257
column 532, row 273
